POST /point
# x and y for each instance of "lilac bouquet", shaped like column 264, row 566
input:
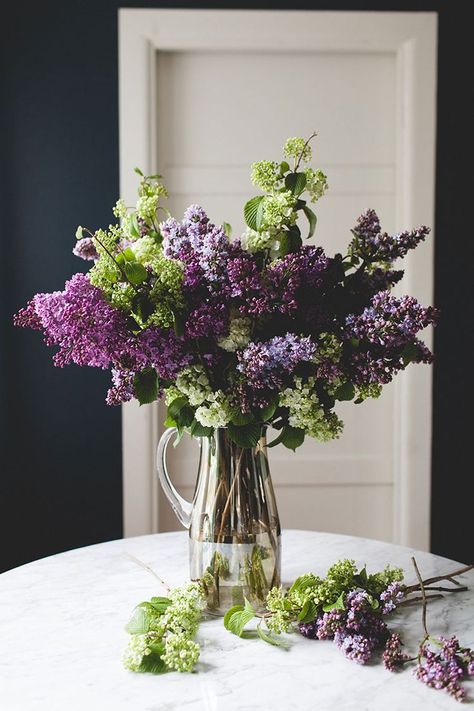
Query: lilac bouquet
column 238, row 333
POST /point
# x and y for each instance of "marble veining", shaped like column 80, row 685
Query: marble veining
column 62, row 636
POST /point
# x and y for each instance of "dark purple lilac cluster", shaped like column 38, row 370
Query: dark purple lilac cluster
column 373, row 245
column 358, row 630
column 446, row 666
column 393, row 656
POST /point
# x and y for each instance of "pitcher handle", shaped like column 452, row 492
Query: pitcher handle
column 181, row 507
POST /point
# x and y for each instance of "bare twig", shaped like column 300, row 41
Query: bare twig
column 147, row 568
column 423, row 597
column 437, row 578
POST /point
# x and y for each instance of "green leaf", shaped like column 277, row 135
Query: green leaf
column 237, row 617
column 198, row 430
column 134, row 226
column 303, row 582
column 308, row 611
column 290, row 241
column 227, row 228
column 240, row 418
column 266, row 413
column 259, row 218
column 270, row 639
column 346, row 391
column 251, row 210
column 312, row 219
column 408, row 353
column 292, row 437
column 160, row 603
column 284, row 167
column 139, row 622
column 296, row 182
column 338, row 605
column 135, row 272
column 178, row 324
column 146, row 385
column 169, row 422
column 176, row 406
column 153, row 664
column 246, row 436
column 138, row 172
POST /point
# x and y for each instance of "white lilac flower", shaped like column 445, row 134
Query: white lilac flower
column 217, row 414
column 193, row 382
column 238, row 336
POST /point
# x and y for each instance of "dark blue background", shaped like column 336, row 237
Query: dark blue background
column 60, row 483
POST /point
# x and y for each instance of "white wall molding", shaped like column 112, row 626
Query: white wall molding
column 413, row 38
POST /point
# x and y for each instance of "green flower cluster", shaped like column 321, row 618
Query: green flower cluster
column 306, row 412
column 163, row 630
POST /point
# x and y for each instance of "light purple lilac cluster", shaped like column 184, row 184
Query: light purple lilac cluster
column 446, row 666
column 266, row 364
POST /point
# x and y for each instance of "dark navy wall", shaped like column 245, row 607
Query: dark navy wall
column 60, row 484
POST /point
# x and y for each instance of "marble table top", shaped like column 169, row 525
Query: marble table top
column 62, row 636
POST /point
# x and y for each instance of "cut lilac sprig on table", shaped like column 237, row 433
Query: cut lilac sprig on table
column 354, row 609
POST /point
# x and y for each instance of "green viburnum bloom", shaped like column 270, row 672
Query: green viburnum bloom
column 369, row 390
column 316, row 183
column 166, row 293
column 181, row 653
column 296, row 147
column 145, row 249
column 278, row 210
column 306, row 412
column 238, row 336
column 280, row 606
column 193, row 382
column 106, row 273
column 264, row 174
column 218, row 413
column 329, row 347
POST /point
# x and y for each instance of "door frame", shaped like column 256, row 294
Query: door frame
column 413, row 38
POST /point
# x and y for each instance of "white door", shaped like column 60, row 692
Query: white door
column 226, row 88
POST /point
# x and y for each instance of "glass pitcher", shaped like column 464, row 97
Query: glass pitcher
column 234, row 529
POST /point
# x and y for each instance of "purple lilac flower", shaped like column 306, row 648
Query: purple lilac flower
column 393, row 658
column 207, row 320
column 380, row 246
column 356, row 647
column 302, row 270
column 265, row 364
column 390, row 321
column 244, row 283
column 86, row 328
column 358, row 629
column 164, row 350
column 445, row 668
column 200, row 245
column 392, row 596
column 85, row 249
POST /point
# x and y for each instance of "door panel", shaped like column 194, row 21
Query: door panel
column 217, row 112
